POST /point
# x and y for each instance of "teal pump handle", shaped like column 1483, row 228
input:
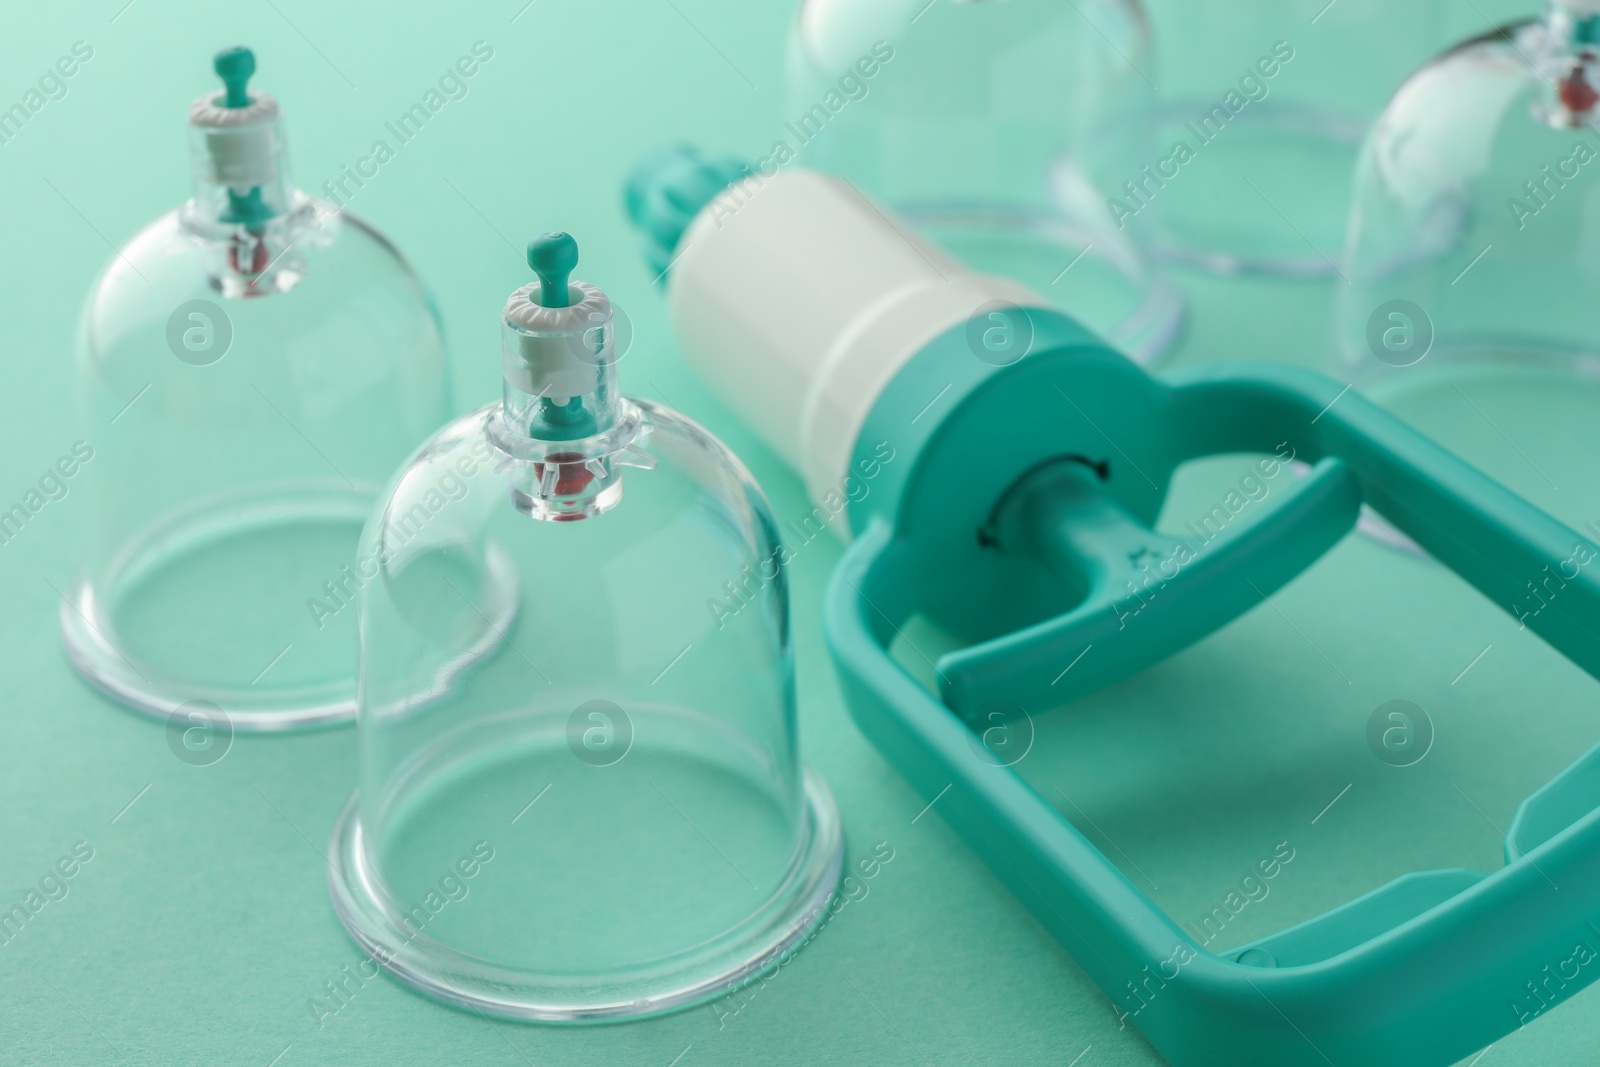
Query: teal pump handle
column 1076, row 447
column 1146, row 595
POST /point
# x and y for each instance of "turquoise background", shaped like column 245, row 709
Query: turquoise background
column 202, row 927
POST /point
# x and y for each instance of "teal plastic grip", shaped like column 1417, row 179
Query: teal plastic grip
column 1424, row 970
column 665, row 192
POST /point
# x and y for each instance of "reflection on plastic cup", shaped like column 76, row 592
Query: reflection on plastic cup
column 1005, row 736
column 587, row 345
column 599, row 733
column 1399, row 733
column 1000, row 333
column 199, row 333
column 199, row 733
column 1400, row 333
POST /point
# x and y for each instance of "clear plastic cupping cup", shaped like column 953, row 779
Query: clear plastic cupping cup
column 1261, row 111
column 580, row 796
column 997, row 129
column 250, row 369
column 1471, row 257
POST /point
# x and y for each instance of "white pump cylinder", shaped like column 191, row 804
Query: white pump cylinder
column 798, row 299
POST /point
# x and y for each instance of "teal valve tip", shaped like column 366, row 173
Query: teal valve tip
column 235, row 66
column 552, row 257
